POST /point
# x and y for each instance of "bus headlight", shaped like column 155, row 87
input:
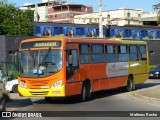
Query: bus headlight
column 156, row 72
column 22, row 84
column 57, row 84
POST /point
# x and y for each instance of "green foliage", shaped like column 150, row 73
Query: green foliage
column 152, row 66
column 14, row 21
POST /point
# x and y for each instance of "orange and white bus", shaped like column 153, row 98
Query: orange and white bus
column 63, row 66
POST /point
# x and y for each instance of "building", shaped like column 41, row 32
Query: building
column 57, row 11
column 149, row 18
column 64, row 13
column 119, row 17
column 90, row 18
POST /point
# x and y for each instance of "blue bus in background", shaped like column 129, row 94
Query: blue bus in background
column 92, row 30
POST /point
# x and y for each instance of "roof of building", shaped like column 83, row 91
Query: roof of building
column 126, row 9
column 32, row 5
column 56, row 4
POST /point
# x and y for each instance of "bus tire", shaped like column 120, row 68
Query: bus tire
column 48, row 99
column 88, row 90
column 83, row 93
column 129, row 84
column 15, row 89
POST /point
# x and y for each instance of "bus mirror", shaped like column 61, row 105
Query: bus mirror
column 70, row 60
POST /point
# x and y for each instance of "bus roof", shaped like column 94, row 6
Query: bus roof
column 86, row 40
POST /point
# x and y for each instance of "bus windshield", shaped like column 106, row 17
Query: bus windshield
column 40, row 63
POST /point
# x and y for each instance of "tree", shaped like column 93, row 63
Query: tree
column 157, row 8
column 14, row 21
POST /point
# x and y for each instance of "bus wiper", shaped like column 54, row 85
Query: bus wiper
column 43, row 61
column 29, row 51
column 49, row 49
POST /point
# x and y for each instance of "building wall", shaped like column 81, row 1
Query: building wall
column 43, row 13
column 67, row 13
column 154, row 52
column 3, row 48
column 90, row 18
column 118, row 17
column 9, row 45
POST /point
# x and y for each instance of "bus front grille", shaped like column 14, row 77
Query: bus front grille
column 39, row 93
column 38, row 83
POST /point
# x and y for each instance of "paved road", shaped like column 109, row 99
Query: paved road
column 110, row 100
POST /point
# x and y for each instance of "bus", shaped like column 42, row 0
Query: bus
column 65, row 66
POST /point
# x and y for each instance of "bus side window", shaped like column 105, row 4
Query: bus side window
column 133, row 53
column 142, row 52
column 85, row 54
column 111, row 53
column 123, row 53
column 72, row 58
column 72, row 62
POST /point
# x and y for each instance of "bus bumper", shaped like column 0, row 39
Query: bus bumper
column 51, row 92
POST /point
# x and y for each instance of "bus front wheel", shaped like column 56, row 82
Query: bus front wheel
column 86, row 92
column 83, row 93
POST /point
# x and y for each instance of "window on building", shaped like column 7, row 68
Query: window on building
column 108, row 16
column 139, row 15
column 128, row 14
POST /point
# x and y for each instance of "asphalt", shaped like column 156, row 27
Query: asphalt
column 151, row 94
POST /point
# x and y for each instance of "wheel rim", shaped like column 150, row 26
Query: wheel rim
column 15, row 89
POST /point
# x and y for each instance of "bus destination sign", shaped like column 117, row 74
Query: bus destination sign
column 41, row 44
column 46, row 44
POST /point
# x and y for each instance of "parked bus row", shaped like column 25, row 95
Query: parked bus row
column 77, row 30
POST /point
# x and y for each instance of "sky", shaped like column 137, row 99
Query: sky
column 107, row 5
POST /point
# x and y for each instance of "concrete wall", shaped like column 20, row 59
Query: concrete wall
column 154, row 51
column 2, row 48
column 8, row 45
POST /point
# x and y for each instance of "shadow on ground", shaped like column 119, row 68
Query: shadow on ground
column 95, row 95
column 19, row 103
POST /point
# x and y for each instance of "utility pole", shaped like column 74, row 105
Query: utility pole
column 100, row 20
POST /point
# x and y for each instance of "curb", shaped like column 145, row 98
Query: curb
column 146, row 98
column 3, row 106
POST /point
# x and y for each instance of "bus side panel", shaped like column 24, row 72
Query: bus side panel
column 140, row 71
column 97, row 74
column 97, row 71
column 104, row 84
column 118, row 81
column 73, row 88
column 95, row 85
